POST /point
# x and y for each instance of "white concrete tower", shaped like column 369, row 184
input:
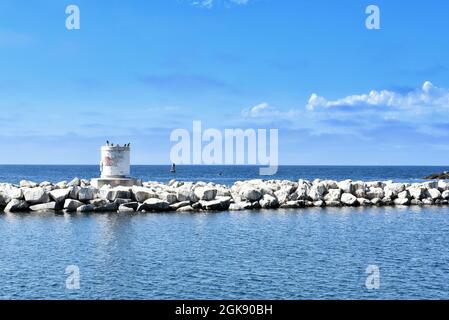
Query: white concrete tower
column 115, row 161
column 115, row 167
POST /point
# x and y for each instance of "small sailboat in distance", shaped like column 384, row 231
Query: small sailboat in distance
column 173, row 168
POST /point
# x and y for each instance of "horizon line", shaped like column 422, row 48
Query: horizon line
column 243, row 165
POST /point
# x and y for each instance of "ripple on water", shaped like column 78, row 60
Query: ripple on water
column 289, row 254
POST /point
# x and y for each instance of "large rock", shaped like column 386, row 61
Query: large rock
column 283, row 195
column 333, row 203
column 375, row 192
column 392, row 190
column 364, row 202
column 443, row 185
column 434, row 194
column 59, row 195
column 49, row 206
column 3, row 200
column 269, row 202
column 141, row 194
column 16, row 205
column 430, row 184
column 125, row 208
column 87, row 208
column 61, row 185
column 185, row 209
column 36, row 195
column 71, row 205
column 330, row 184
column 359, row 189
column 168, row 197
column 116, row 193
column 386, row 201
column 85, row 183
column 205, row 193
column 121, row 201
column 108, row 207
column 417, row 193
column 241, row 205
column 178, row 205
column 11, row 192
column 442, row 175
column 402, row 201
column 87, row 193
column 74, row 192
column 319, row 203
column 76, row 182
column 374, row 184
column 333, row 195
column 44, row 184
column 99, row 202
column 27, row 184
column 346, row 186
column 301, row 192
column 445, row 195
column 219, row 204
column 293, row 204
column 186, row 194
column 154, row 204
column 348, row 199
column 225, row 192
column 404, row 195
column 317, row 191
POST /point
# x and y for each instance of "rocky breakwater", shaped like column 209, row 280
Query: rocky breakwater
column 79, row 196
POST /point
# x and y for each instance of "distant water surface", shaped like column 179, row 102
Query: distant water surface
column 220, row 174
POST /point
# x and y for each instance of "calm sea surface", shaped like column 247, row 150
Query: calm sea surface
column 220, row 174
column 283, row 254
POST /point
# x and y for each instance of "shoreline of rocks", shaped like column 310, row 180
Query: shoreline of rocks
column 79, row 196
column 438, row 176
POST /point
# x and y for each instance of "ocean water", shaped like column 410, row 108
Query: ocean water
column 282, row 254
column 286, row 254
column 220, row 174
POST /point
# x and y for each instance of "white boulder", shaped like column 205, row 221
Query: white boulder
column 36, row 195
column 71, row 205
column 16, row 205
column 87, row 193
column 348, row 199
column 269, row 202
column 49, row 206
column 434, row 194
column 154, row 204
column 205, row 193
column 333, row 195
column 250, row 193
column 59, row 195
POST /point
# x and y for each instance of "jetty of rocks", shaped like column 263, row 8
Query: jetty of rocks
column 79, row 195
column 442, row 175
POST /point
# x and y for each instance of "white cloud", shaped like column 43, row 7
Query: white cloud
column 426, row 96
column 264, row 111
column 258, row 111
column 210, row 3
column 419, row 113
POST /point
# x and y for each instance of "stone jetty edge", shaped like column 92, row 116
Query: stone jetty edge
column 79, row 196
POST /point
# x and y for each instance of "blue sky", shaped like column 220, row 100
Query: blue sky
column 136, row 70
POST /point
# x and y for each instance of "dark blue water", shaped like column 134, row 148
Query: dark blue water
column 283, row 254
column 221, row 174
